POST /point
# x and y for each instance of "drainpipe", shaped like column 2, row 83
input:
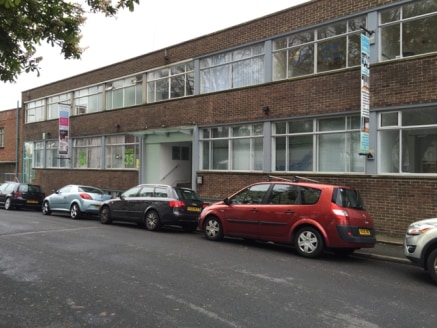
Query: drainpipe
column 17, row 139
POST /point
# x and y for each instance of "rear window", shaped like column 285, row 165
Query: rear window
column 349, row 198
column 186, row 194
column 32, row 188
column 90, row 190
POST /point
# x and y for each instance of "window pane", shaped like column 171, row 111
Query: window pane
column 389, row 119
column 419, row 117
column 419, row 37
column 332, row 153
column 220, row 154
column 390, row 15
column 177, row 86
column 331, row 54
column 301, row 153
column 390, row 42
column 300, row 126
column 331, row 30
column 301, row 61
column 354, row 50
column 280, row 146
column 279, row 65
column 331, row 124
column 418, row 8
column 241, row 154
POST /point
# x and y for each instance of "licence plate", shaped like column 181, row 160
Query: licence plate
column 364, row 232
column 193, row 209
column 29, row 201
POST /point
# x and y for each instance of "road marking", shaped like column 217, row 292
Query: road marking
column 46, row 231
column 201, row 310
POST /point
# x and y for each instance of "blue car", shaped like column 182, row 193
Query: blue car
column 77, row 200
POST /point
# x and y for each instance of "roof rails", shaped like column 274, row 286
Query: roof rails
column 295, row 179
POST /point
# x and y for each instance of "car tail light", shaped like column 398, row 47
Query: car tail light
column 84, row 195
column 16, row 194
column 176, row 203
column 340, row 213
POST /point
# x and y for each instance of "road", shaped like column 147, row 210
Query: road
column 57, row 272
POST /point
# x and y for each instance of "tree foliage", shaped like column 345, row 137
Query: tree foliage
column 25, row 24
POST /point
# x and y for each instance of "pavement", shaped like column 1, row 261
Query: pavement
column 387, row 249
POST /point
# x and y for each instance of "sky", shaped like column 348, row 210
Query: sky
column 152, row 26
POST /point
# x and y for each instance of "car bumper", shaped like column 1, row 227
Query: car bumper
column 412, row 251
column 352, row 236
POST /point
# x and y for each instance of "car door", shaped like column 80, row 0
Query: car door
column 281, row 210
column 121, row 207
column 241, row 216
column 59, row 199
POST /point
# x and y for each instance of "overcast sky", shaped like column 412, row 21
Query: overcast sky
column 153, row 25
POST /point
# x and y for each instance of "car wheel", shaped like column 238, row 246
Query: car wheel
column 189, row 227
column 431, row 263
column 46, row 208
column 105, row 215
column 75, row 211
column 152, row 221
column 8, row 204
column 213, row 229
column 309, row 242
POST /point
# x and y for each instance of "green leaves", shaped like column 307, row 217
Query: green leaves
column 9, row 3
column 26, row 23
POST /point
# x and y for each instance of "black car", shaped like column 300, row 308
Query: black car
column 154, row 206
column 20, row 195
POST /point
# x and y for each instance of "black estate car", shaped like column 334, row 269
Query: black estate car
column 154, row 206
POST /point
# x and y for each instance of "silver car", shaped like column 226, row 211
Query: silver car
column 420, row 245
column 75, row 200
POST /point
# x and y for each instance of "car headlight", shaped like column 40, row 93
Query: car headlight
column 419, row 229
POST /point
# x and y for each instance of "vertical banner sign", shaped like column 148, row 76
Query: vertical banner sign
column 365, row 97
column 64, row 128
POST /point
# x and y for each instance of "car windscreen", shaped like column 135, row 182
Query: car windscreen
column 349, row 198
column 186, row 194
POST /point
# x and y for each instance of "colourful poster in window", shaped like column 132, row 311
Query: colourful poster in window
column 365, row 93
column 64, row 129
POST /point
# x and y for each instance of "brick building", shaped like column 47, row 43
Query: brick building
column 281, row 95
column 8, row 145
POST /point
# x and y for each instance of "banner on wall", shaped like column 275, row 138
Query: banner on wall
column 64, row 129
column 365, row 96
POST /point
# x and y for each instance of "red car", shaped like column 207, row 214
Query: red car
column 311, row 216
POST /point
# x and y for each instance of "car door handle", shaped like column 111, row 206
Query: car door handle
column 254, row 210
column 289, row 212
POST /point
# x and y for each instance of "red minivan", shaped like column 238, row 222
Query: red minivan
column 311, row 216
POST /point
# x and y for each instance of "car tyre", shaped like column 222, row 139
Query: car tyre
column 105, row 215
column 152, row 221
column 8, row 204
column 213, row 229
column 46, row 208
column 309, row 242
column 75, row 211
column 431, row 264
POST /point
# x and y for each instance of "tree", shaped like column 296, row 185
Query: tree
column 27, row 23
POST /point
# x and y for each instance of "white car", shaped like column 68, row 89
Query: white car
column 420, row 245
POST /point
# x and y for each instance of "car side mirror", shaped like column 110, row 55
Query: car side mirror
column 227, row 201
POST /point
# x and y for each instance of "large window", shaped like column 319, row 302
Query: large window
column 88, row 100
column 35, row 111
column 124, row 93
column 232, row 148
column 408, row 30
column 52, row 155
column 323, row 145
column 122, row 152
column 408, row 141
column 234, row 69
column 38, row 154
column 53, row 104
column 327, row 48
column 87, row 153
column 171, row 82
